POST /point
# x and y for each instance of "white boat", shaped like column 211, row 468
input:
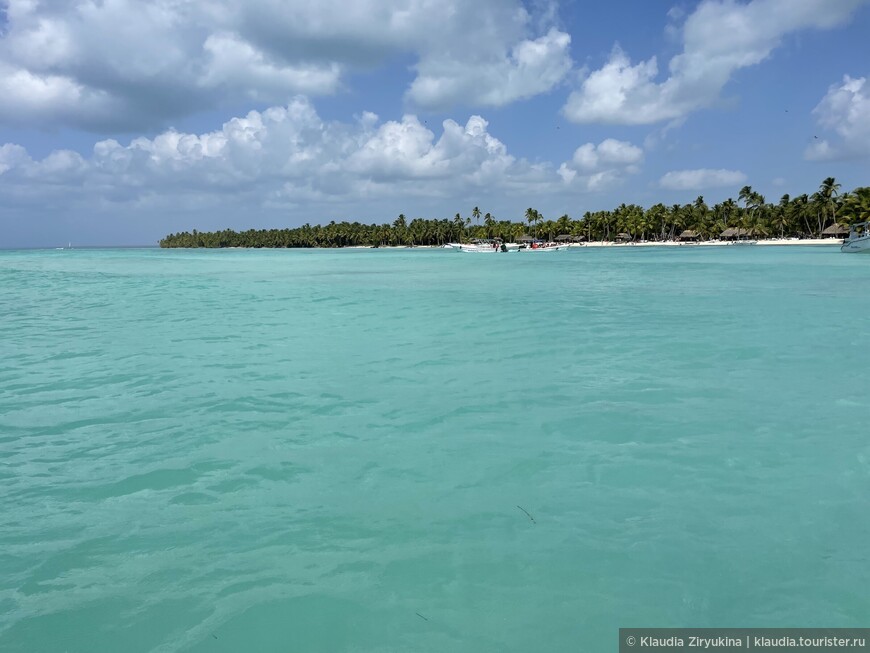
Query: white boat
column 545, row 248
column 485, row 246
column 858, row 240
column 471, row 249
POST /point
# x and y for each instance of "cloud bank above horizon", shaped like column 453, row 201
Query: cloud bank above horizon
column 286, row 155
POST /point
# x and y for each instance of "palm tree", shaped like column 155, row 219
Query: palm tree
column 782, row 214
column 531, row 216
column 459, row 226
column 563, row 224
column 549, row 227
column 752, row 202
column 656, row 216
column 700, row 214
column 828, row 191
column 677, row 223
column 475, row 213
column 729, row 206
column 800, row 207
column 400, row 229
column 856, row 208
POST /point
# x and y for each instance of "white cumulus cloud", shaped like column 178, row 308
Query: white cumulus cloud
column 719, row 38
column 845, row 110
column 597, row 167
column 284, row 154
column 701, row 178
column 530, row 68
column 135, row 64
column 11, row 156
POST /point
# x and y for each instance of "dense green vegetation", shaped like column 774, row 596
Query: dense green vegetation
column 804, row 216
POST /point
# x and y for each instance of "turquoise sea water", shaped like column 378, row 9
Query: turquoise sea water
column 320, row 451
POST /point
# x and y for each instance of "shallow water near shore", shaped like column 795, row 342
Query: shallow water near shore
column 408, row 450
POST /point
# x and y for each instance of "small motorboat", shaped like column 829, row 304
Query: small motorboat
column 858, row 240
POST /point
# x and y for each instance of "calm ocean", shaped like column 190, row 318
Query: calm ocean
column 396, row 451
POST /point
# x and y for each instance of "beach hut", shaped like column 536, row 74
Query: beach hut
column 688, row 234
column 564, row 238
column 623, row 238
column 735, row 233
column 525, row 238
column 836, row 230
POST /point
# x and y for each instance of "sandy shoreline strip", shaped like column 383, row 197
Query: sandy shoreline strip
column 719, row 243
column 830, row 242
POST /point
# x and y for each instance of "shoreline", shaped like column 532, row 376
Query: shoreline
column 770, row 242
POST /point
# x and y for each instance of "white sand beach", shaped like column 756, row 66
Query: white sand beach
column 829, row 242
column 717, row 243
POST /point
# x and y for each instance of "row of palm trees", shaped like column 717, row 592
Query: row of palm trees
column 803, row 216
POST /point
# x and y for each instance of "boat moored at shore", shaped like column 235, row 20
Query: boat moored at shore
column 540, row 246
column 495, row 246
column 858, row 240
column 484, row 246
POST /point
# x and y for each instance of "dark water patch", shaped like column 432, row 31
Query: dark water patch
column 72, row 355
column 247, row 586
column 333, row 408
column 230, row 485
column 284, row 471
column 194, row 499
column 342, row 435
column 6, row 439
column 160, row 479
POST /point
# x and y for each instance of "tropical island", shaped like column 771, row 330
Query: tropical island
column 825, row 213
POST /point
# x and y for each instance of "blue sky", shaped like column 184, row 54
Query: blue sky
column 124, row 120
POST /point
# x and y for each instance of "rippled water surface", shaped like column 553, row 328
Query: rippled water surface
column 410, row 450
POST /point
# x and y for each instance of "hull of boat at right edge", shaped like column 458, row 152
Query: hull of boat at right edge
column 857, row 247
column 858, row 240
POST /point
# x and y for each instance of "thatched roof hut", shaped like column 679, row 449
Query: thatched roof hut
column 689, row 234
column 564, row 238
column 836, row 230
column 735, row 233
column 525, row 238
column 623, row 237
